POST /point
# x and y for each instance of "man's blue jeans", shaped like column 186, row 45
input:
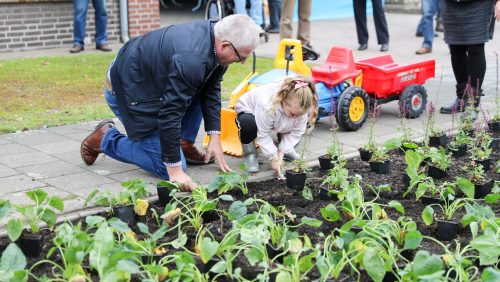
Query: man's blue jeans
column 274, row 13
column 429, row 10
column 146, row 153
column 80, row 18
column 255, row 9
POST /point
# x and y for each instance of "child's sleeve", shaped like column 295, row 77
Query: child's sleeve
column 265, row 124
column 289, row 140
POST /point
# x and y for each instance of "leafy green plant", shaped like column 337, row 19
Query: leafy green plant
column 460, row 139
column 134, row 192
column 449, row 207
column 337, row 178
column 381, row 153
column 193, row 206
column 432, row 127
column 424, row 266
column 475, row 173
column 479, row 217
column 479, row 153
column 43, row 209
column 370, row 145
column 334, row 149
column 488, row 246
column 227, row 181
column 439, row 158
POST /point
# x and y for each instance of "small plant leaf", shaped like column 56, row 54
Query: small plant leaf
column 38, row 196
column 492, row 198
column 466, row 186
column 374, row 264
column 412, row 240
column 227, row 198
column 219, row 267
column 307, row 194
column 5, row 208
column 428, row 215
column 208, row 249
column 128, row 266
column 237, row 210
column 330, row 213
column 90, row 197
column 119, row 225
column 56, row 203
column 426, row 264
column 253, row 255
column 311, row 221
column 49, row 216
column 92, row 220
column 397, row 206
column 284, row 276
column 14, row 228
column 490, row 275
column 12, row 258
column 488, row 246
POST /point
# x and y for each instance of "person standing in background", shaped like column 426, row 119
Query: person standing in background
column 79, row 22
column 429, row 10
column 380, row 24
column 467, row 27
column 255, row 11
column 304, row 30
column 274, row 16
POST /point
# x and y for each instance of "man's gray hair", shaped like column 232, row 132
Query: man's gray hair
column 238, row 29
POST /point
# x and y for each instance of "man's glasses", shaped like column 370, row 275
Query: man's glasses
column 240, row 58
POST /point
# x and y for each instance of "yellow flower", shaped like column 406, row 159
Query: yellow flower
column 164, row 274
column 131, row 235
column 359, row 246
column 141, row 207
column 448, row 259
column 160, row 251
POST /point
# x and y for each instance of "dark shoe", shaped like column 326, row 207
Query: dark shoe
column 91, row 146
column 192, row 154
column 308, row 53
column 384, row 47
column 423, row 50
column 271, row 29
column 76, row 48
column 419, row 34
column 439, row 26
column 457, row 106
column 104, row 47
column 362, row 47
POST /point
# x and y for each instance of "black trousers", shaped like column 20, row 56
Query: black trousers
column 469, row 64
column 379, row 17
column 247, row 127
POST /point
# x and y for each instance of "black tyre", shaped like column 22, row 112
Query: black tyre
column 352, row 108
column 214, row 10
column 412, row 101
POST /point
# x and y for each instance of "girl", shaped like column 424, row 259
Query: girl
column 282, row 106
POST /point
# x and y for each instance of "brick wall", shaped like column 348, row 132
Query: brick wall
column 28, row 26
column 143, row 16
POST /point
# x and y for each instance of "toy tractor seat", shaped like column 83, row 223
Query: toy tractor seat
column 339, row 66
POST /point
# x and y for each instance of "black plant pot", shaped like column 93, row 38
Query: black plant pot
column 163, row 194
column 495, row 144
column 429, row 200
column 324, row 195
column 485, row 163
column 408, row 254
column 31, row 244
column 274, row 252
column 205, row 267
column 436, row 172
column 210, row 216
column 406, row 180
column 365, row 154
column 446, row 230
column 494, row 126
column 380, row 167
column 326, row 163
column 438, row 141
column 150, row 259
column 126, row 214
column 482, row 189
column 295, row 180
column 460, row 151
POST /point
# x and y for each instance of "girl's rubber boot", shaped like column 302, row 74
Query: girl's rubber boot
column 250, row 157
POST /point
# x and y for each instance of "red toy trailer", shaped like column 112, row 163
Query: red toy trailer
column 384, row 81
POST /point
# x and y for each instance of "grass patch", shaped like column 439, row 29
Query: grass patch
column 52, row 91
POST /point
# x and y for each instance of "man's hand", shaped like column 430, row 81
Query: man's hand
column 215, row 149
column 176, row 174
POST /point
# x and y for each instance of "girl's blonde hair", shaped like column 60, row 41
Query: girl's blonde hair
column 298, row 89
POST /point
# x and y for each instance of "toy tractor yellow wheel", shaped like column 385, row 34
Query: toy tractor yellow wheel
column 352, row 108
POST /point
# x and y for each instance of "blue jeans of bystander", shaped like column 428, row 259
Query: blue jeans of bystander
column 80, row 18
column 429, row 10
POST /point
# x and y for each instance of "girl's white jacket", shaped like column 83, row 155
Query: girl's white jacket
column 258, row 102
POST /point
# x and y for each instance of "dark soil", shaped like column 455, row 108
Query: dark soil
column 276, row 193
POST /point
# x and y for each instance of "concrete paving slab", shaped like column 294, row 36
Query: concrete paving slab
column 3, row 141
column 33, row 137
column 22, row 198
column 50, row 170
column 73, row 182
column 7, row 171
column 72, row 157
column 109, row 166
column 18, row 183
column 9, row 149
column 58, row 147
column 84, row 192
column 26, row 159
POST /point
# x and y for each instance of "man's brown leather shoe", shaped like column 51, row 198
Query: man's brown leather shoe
column 192, row 154
column 423, row 50
column 76, row 48
column 104, row 47
column 91, row 146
